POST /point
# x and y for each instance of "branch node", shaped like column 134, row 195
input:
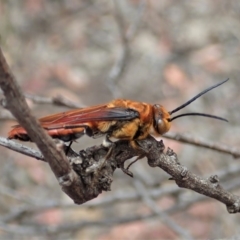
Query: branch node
column 66, row 180
column 214, row 179
column 160, row 145
column 172, row 155
column 153, row 162
column 184, row 173
column 95, row 166
column 75, row 160
column 234, row 208
column 169, row 152
column 105, row 182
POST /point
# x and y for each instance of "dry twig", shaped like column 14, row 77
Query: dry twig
column 54, row 155
column 83, row 176
column 96, row 174
column 156, row 209
column 121, row 63
column 58, row 100
column 203, row 143
column 122, row 151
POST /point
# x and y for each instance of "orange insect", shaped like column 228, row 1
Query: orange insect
column 120, row 119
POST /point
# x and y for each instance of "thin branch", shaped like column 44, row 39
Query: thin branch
column 21, row 149
column 14, row 100
column 216, row 146
column 58, row 100
column 168, row 162
column 71, row 226
column 25, row 211
column 21, row 212
column 188, row 202
column 156, row 209
column 16, row 103
column 154, row 151
column 121, row 63
column 76, row 226
column 91, row 174
column 121, row 196
column 5, row 115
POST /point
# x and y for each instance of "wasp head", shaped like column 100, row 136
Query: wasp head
column 161, row 118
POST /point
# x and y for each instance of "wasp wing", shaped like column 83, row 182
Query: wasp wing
column 58, row 117
column 82, row 116
column 75, row 121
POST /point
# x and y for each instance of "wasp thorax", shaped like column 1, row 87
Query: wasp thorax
column 161, row 118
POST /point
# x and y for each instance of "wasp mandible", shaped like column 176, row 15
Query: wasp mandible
column 120, row 119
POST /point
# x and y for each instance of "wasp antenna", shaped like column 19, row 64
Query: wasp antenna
column 197, row 96
column 198, row 114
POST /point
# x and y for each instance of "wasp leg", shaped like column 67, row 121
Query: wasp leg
column 107, row 142
column 138, row 158
column 136, row 145
column 126, row 171
column 68, row 148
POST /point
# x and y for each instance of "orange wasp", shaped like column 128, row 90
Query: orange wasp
column 120, row 119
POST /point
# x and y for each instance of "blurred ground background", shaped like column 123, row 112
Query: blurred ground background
column 93, row 51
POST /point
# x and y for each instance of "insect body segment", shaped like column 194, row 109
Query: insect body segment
column 120, row 118
column 161, row 119
column 93, row 121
